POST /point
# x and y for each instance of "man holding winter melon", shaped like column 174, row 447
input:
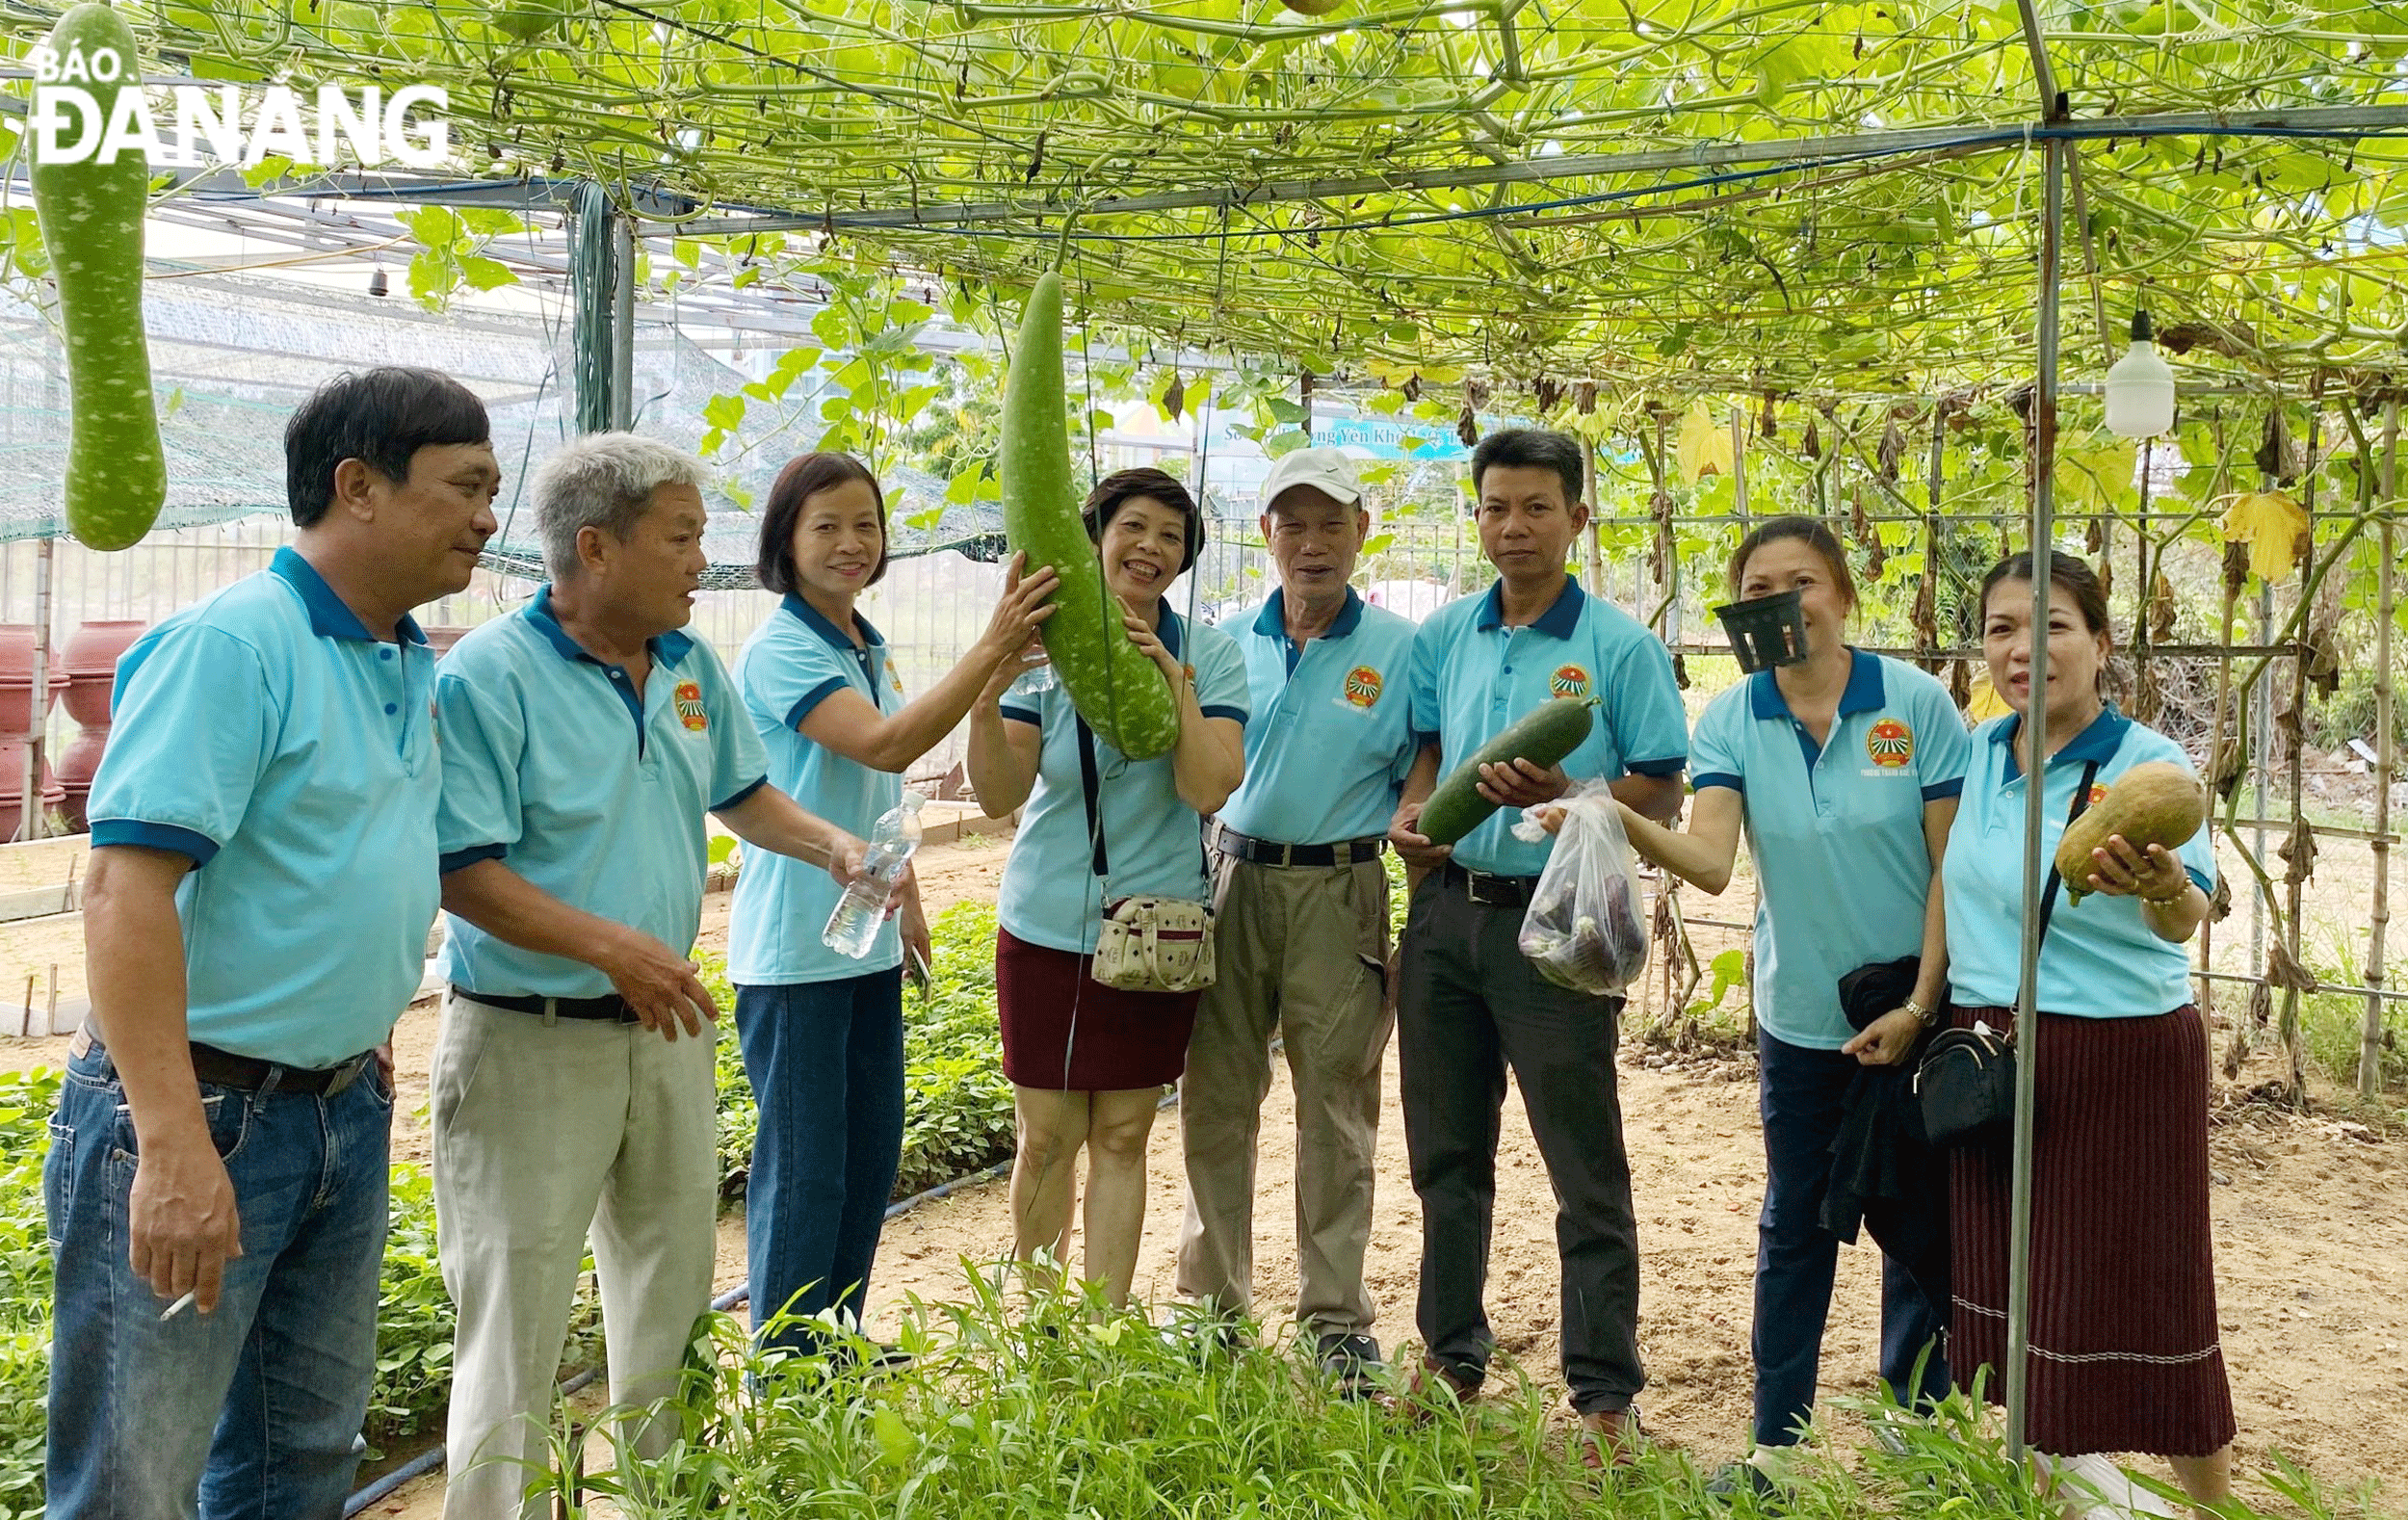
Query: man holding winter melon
column 263, row 876
column 1302, row 900
column 1468, row 1004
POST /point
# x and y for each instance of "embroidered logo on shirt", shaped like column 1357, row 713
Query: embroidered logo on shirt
column 2098, row 794
column 690, row 709
column 1363, row 685
column 1889, row 743
column 1569, row 680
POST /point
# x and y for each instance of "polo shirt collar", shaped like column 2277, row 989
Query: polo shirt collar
column 1169, row 628
column 1558, row 622
column 1271, row 623
column 329, row 615
column 670, row 648
column 1864, row 692
column 818, row 622
column 2099, row 742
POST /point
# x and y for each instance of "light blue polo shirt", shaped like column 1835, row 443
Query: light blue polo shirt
column 1473, row 677
column 2099, row 959
column 1835, row 829
column 266, row 734
column 794, row 661
column 1331, row 736
column 554, row 766
column 1155, row 842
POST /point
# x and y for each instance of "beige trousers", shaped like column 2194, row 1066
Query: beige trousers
column 542, row 1131
column 1303, row 955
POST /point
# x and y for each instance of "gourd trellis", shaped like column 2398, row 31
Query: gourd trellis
column 1594, row 196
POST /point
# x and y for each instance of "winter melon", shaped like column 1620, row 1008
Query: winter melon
column 1543, row 736
column 1118, row 691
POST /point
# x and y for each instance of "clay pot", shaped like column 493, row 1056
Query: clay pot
column 90, row 662
column 440, row 636
column 12, row 787
column 75, row 772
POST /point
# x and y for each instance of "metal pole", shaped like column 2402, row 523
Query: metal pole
column 37, row 821
column 2035, row 747
column 1739, row 463
column 623, row 321
column 2371, row 1043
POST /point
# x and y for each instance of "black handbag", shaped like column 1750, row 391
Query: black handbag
column 1965, row 1085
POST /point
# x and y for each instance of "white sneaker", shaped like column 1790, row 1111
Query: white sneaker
column 2103, row 1490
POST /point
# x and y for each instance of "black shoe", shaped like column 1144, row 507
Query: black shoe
column 1353, row 1362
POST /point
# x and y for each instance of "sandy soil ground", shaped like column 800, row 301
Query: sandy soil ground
column 2311, row 1238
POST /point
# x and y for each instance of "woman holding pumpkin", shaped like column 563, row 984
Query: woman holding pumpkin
column 2124, row 1349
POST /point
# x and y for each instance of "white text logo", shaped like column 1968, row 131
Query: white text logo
column 66, row 124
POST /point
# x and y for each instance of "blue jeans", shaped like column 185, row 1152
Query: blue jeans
column 250, row 1413
column 1799, row 1096
column 826, row 1064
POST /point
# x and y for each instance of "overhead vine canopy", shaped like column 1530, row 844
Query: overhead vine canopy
column 1699, row 195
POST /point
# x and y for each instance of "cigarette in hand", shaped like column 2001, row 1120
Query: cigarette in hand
column 179, row 1306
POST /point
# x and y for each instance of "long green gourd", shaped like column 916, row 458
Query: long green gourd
column 1120, row 691
column 91, row 223
column 1543, row 736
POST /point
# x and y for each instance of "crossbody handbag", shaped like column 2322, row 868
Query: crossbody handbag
column 1147, row 943
column 1965, row 1085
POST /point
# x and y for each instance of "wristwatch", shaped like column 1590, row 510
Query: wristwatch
column 1925, row 1016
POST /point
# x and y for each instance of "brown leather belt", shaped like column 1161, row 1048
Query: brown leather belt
column 222, row 1069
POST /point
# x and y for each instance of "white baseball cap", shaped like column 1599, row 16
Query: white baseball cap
column 1325, row 469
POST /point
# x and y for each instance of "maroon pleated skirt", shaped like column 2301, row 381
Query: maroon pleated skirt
column 2125, row 1355
column 1068, row 1033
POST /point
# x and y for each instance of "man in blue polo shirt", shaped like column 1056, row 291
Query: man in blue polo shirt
column 1302, row 918
column 263, row 874
column 1469, row 1005
column 585, row 738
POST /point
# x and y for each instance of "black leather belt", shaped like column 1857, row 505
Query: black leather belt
column 609, row 1007
column 1490, row 891
column 222, row 1069
column 1266, row 852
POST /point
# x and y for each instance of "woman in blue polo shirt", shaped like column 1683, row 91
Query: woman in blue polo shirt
column 822, row 1031
column 2124, row 1348
column 1843, row 773
column 1088, row 1063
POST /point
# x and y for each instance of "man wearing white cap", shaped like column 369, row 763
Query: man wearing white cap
column 1302, row 919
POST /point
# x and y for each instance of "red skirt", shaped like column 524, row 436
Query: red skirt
column 2125, row 1355
column 1065, row 1032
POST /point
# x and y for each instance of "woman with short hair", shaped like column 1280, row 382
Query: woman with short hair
column 1088, row 1063
column 822, row 1031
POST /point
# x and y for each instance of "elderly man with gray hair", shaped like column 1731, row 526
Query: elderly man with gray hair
column 583, row 738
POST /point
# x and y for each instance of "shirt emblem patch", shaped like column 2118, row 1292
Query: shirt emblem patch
column 1889, row 743
column 1568, row 680
column 690, row 709
column 1363, row 685
column 2098, row 794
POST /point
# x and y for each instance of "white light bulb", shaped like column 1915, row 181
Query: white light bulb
column 2140, row 388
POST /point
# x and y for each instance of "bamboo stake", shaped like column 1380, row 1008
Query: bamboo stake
column 2301, row 849
column 2379, row 915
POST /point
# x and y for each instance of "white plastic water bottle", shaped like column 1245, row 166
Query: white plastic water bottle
column 852, row 928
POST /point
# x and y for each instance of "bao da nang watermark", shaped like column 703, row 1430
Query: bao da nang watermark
column 229, row 124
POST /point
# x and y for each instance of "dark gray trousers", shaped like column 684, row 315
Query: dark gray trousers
column 1468, row 1005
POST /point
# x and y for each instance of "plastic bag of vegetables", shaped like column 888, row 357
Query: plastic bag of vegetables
column 1586, row 928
